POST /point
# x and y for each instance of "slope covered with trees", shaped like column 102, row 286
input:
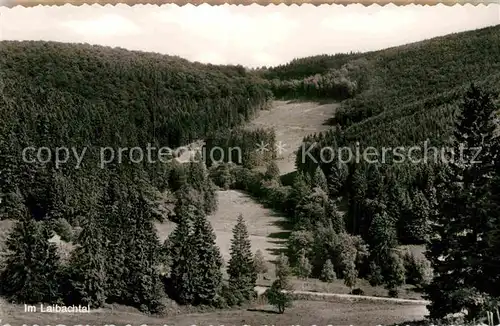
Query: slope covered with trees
column 414, row 97
column 82, row 96
column 88, row 98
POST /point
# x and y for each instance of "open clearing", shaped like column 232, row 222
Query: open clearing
column 302, row 313
column 264, row 225
column 292, row 121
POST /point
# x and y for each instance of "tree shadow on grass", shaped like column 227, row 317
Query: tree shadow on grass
column 279, row 235
column 279, row 242
column 283, row 224
column 276, row 252
column 267, row 311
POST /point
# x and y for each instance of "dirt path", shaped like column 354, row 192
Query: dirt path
column 261, row 289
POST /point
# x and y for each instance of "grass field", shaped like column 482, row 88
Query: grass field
column 292, row 121
column 265, row 227
column 302, row 313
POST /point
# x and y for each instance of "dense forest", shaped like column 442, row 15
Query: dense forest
column 85, row 97
column 348, row 219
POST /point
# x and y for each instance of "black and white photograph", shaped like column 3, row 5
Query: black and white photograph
column 250, row 165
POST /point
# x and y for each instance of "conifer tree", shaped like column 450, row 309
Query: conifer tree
column 375, row 277
column 88, row 270
column 116, row 227
column 383, row 236
column 328, row 272
column 210, row 196
column 207, row 264
column 241, row 268
column 300, row 189
column 460, row 228
column 32, row 264
column 337, row 178
column 358, row 189
column 272, row 171
column 143, row 258
column 188, row 202
column 350, row 274
column 226, row 179
column 182, row 260
column 394, row 273
column 319, row 180
column 279, row 294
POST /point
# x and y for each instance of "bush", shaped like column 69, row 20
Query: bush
column 260, row 263
column 393, row 293
column 63, row 229
column 328, row 272
column 357, row 291
column 418, row 270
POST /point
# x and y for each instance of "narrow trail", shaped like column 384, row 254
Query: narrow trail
column 261, row 289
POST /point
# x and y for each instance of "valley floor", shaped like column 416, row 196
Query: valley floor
column 268, row 232
column 302, row 313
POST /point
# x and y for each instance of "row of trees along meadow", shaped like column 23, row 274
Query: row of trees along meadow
column 387, row 205
column 118, row 258
column 338, row 84
column 321, row 245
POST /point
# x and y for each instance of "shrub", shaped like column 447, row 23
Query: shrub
column 418, row 270
column 328, row 272
column 358, row 291
column 260, row 263
column 393, row 293
column 63, row 229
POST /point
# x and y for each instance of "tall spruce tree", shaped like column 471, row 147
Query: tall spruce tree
column 303, row 268
column 88, row 267
column 31, row 270
column 143, row 258
column 241, row 269
column 206, row 272
column 182, row 261
column 457, row 250
column 319, row 180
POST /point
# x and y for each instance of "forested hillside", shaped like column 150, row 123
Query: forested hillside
column 348, row 219
column 413, row 96
column 70, row 95
column 86, row 98
column 409, row 95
